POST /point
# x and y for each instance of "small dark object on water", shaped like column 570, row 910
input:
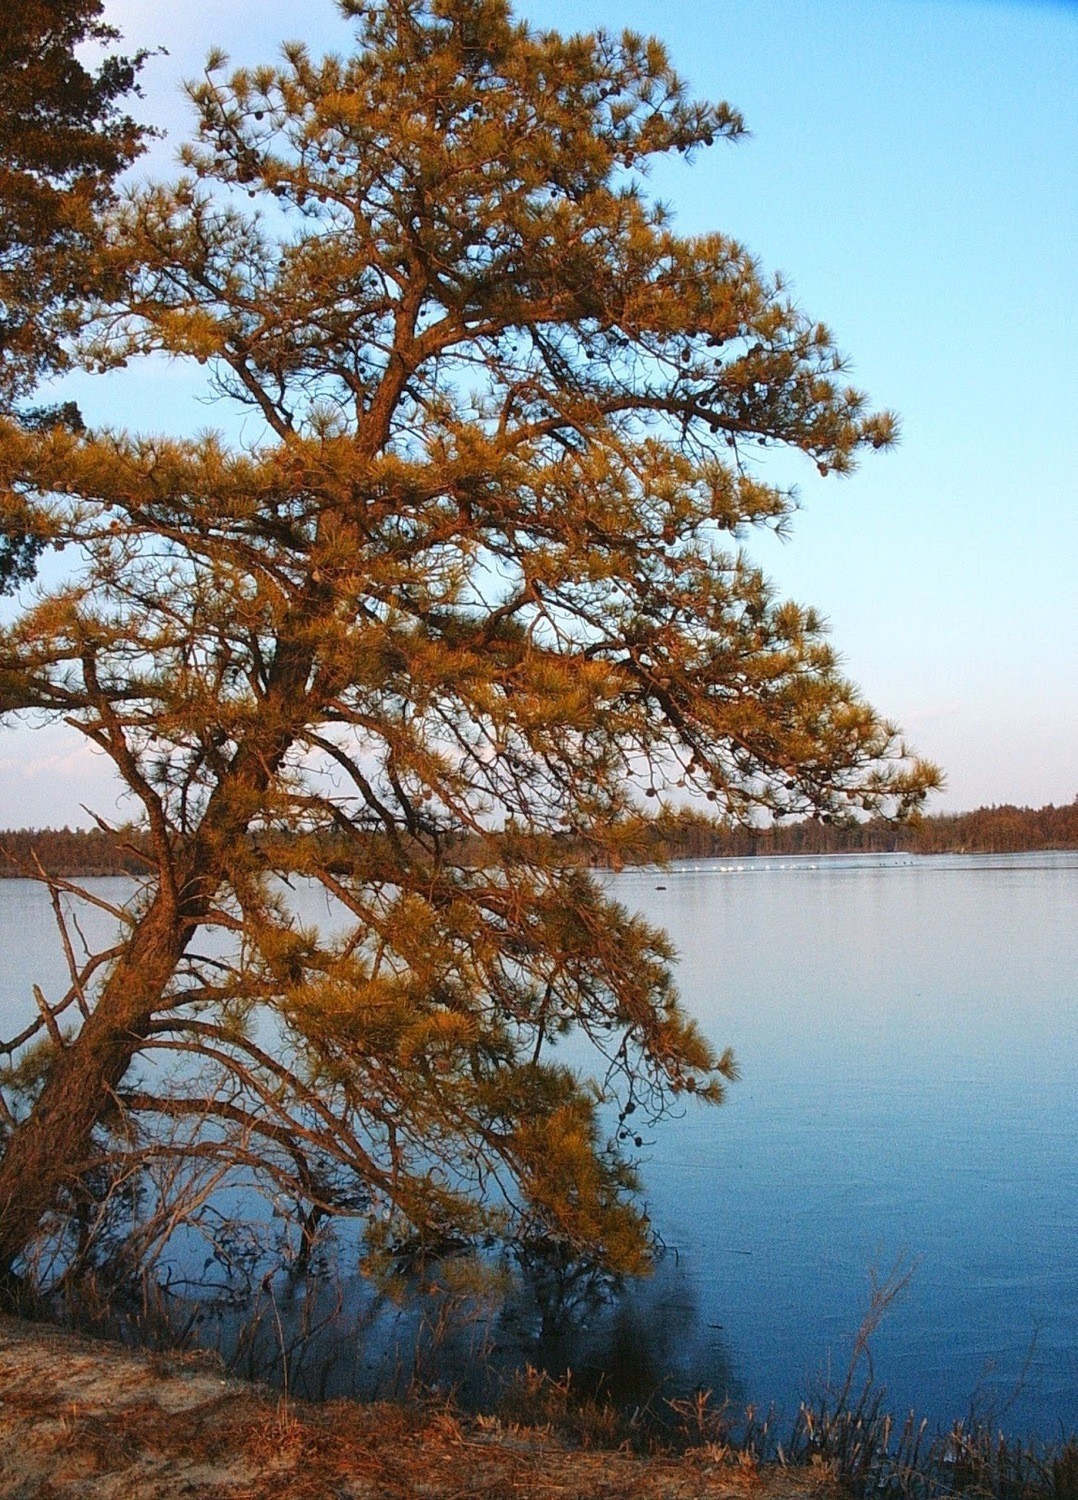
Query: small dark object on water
column 660, row 888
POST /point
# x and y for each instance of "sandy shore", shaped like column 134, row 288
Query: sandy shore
column 89, row 1419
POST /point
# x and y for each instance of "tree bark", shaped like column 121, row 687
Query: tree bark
column 50, row 1148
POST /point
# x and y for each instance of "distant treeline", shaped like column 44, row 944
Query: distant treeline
column 71, row 852
column 77, row 852
column 988, row 830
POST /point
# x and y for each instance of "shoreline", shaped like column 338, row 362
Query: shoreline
column 7, row 872
column 81, row 1417
column 72, row 854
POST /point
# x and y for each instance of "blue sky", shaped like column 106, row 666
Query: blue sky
column 912, row 170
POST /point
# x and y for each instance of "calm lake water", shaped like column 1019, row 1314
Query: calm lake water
column 907, row 1030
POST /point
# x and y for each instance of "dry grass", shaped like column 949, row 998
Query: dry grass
column 82, row 1419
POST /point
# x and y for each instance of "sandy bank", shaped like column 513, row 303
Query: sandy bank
column 82, row 1418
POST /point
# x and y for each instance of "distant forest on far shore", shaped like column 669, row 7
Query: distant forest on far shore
column 987, row 830
column 74, row 853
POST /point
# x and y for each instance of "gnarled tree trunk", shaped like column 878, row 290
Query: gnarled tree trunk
column 50, row 1148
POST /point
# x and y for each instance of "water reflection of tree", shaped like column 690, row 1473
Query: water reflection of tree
column 634, row 1343
column 637, row 1341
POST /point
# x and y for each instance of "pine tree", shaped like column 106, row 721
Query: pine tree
column 63, row 143
column 476, row 593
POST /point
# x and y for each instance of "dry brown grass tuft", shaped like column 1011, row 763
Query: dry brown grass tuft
column 84, row 1420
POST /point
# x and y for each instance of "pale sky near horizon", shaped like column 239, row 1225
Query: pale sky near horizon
column 912, row 169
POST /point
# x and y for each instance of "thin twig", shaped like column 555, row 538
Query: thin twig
column 65, row 939
column 50, row 1020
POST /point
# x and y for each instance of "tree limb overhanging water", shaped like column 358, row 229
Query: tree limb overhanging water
column 476, row 574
